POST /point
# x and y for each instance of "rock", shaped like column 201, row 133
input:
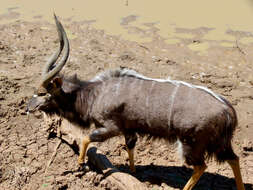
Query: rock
column 247, row 145
column 127, row 56
column 223, row 83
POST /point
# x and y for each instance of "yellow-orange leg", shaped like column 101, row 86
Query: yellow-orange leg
column 84, row 146
column 131, row 159
column 197, row 173
column 234, row 164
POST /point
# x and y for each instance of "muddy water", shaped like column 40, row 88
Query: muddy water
column 137, row 19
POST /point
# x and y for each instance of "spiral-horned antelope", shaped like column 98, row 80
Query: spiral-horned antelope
column 123, row 102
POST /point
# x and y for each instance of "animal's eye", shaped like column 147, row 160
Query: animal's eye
column 41, row 92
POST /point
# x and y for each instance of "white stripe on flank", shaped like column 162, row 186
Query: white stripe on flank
column 175, row 82
column 117, row 86
column 131, row 73
column 132, row 85
column 147, row 108
column 141, row 84
column 150, row 90
column 173, row 95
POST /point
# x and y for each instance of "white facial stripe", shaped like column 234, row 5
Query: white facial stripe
column 35, row 95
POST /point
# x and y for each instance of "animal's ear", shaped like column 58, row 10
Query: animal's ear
column 57, row 82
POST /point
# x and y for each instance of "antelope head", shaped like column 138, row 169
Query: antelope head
column 51, row 85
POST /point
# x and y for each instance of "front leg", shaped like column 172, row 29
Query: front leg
column 130, row 140
column 84, row 145
column 98, row 135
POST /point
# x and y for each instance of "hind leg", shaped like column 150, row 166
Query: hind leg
column 232, row 159
column 234, row 164
column 197, row 173
column 193, row 153
column 130, row 140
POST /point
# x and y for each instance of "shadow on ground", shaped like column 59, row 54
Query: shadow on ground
column 177, row 177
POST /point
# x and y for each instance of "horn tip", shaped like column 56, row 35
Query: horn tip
column 57, row 22
column 55, row 17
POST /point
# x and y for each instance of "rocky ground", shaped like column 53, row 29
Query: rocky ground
column 26, row 146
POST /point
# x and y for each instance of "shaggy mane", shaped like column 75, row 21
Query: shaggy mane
column 115, row 73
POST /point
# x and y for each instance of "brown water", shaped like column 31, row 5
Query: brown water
column 129, row 18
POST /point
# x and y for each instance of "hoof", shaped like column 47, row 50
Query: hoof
column 83, row 167
column 80, row 161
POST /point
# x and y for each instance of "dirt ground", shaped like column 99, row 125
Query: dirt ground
column 25, row 144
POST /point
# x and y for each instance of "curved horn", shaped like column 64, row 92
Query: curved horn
column 47, row 74
column 55, row 56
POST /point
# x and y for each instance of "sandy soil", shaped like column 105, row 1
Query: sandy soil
column 25, row 144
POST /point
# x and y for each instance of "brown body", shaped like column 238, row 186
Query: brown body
column 163, row 109
column 123, row 102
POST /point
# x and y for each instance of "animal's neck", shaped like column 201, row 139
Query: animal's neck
column 67, row 108
column 66, row 103
column 79, row 104
column 84, row 99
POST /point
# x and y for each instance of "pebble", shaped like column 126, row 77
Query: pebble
column 247, row 145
